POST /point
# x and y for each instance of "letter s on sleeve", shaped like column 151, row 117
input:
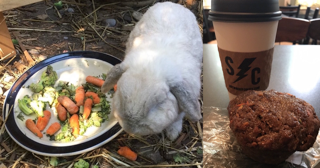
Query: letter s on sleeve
column 230, row 70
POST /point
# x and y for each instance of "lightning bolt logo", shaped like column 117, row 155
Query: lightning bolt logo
column 244, row 67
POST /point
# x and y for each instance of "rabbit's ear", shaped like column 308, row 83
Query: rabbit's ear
column 187, row 101
column 112, row 77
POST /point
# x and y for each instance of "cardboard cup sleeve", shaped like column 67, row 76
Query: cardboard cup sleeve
column 246, row 70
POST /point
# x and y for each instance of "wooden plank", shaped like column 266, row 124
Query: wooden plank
column 10, row 4
column 314, row 29
column 292, row 29
column 6, row 47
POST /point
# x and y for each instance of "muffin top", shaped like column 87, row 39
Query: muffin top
column 271, row 120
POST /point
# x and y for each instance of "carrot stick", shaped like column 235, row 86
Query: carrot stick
column 127, row 153
column 68, row 104
column 53, row 128
column 95, row 97
column 115, row 87
column 94, row 80
column 42, row 122
column 79, row 96
column 47, row 114
column 87, row 108
column 74, row 124
column 62, row 112
column 33, row 128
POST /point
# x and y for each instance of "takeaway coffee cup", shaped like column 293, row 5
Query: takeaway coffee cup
column 245, row 32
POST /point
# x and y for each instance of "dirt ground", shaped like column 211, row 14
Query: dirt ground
column 44, row 30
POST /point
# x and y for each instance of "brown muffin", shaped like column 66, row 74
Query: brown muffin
column 270, row 126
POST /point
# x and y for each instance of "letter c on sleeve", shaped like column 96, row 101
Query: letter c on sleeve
column 253, row 76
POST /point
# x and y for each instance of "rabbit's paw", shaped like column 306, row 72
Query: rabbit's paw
column 112, row 77
column 175, row 128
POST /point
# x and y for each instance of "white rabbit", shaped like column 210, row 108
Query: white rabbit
column 158, row 82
